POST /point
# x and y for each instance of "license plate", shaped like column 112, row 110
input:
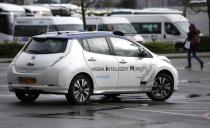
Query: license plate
column 27, row 80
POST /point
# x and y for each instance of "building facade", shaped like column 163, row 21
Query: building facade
column 158, row 3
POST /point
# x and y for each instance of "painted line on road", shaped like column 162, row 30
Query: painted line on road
column 206, row 115
column 194, row 81
column 3, row 85
column 164, row 112
column 156, row 111
column 193, row 69
column 203, row 110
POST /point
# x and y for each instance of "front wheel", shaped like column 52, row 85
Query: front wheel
column 79, row 90
column 162, row 89
column 27, row 97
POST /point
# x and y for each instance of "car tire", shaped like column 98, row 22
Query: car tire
column 80, row 90
column 162, row 89
column 27, row 97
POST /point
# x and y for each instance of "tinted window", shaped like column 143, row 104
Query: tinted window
column 124, row 28
column 171, row 29
column 91, row 27
column 46, row 46
column 124, row 47
column 147, row 28
column 85, row 45
column 4, row 22
column 29, row 30
column 65, row 27
column 98, row 45
column 121, row 12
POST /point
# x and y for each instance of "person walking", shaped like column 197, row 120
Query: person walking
column 194, row 39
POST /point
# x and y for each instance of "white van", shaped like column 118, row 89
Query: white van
column 165, row 27
column 32, row 10
column 113, row 24
column 8, row 12
column 121, row 12
column 26, row 27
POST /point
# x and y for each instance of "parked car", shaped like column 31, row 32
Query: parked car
column 81, row 64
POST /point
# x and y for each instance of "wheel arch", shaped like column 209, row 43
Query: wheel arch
column 88, row 76
column 166, row 72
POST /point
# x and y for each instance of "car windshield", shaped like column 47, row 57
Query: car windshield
column 125, row 28
column 183, row 25
column 29, row 30
column 46, row 46
column 66, row 27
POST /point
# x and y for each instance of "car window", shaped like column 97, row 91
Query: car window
column 46, row 46
column 91, row 27
column 147, row 28
column 98, row 45
column 123, row 47
column 85, row 45
column 171, row 29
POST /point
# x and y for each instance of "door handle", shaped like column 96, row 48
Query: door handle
column 92, row 59
column 123, row 62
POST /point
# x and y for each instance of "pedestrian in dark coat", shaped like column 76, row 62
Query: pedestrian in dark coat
column 193, row 37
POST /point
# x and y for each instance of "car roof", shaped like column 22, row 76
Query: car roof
column 74, row 34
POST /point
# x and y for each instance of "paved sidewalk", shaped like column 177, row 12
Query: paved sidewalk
column 171, row 56
column 184, row 55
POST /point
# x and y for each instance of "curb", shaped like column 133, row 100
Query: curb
column 6, row 60
column 184, row 55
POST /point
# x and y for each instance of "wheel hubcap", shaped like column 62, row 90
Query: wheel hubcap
column 161, row 87
column 81, row 90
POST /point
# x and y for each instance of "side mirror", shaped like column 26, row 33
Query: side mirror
column 142, row 53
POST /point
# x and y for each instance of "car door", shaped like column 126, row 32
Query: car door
column 171, row 32
column 98, row 57
column 132, row 68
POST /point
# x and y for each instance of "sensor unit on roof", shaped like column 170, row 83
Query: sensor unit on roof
column 119, row 33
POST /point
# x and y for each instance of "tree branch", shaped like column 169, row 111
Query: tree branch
column 89, row 3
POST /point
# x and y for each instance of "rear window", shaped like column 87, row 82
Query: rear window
column 46, row 46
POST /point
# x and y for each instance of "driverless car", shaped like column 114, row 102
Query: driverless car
column 81, row 64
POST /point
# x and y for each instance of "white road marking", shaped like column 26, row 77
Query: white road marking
column 203, row 110
column 193, row 69
column 208, row 63
column 158, row 111
column 5, row 86
column 164, row 112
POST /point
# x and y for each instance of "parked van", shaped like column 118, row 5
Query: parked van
column 37, row 11
column 120, row 12
column 113, row 24
column 168, row 27
column 26, row 27
column 8, row 12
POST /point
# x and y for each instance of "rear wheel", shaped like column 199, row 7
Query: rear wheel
column 27, row 97
column 162, row 89
column 79, row 90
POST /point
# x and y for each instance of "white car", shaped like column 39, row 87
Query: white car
column 81, row 64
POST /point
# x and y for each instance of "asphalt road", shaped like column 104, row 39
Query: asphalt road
column 187, row 108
